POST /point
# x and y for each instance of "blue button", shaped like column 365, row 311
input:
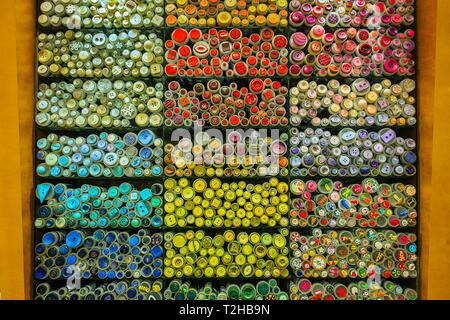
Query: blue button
column 96, row 155
column 101, row 144
column 133, row 241
column 145, row 137
column 72, row 259
column 63, row 250
column 156, row 251
column 103, row 262
column 157, row 273
column 85, row 149
column 49, row 238
column 77, row 158
column 145, row 153
column 131, row 293
column 74, row 239
column 102, row 274
column 40, row 273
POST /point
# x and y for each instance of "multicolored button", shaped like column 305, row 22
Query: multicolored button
column 370, row 204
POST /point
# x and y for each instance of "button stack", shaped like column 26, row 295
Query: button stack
column 226, row 150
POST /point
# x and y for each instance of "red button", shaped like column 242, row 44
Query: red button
column 267, row 33
column 179, row 36
column 253, row 71
column 184, row 51
column 195, row 34
column 193, row 61
column 171, row 69
column 234, row 120
column 280, row 41
column 256, row 85
column 235, row 34
column 223, row 35
column 241, row 68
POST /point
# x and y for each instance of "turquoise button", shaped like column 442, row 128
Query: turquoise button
column 43, row 190
column 91, row 139
column 55, row 171
column 94, row 191
column 125, row 188
column 142, row 209
column 146, row 194
column 84, row 197
column 113, row 212
column 156, row 170
column 73, row 203
column 119, row 144
column 83, row 172
column 118, row 172
column 113, row 192
column 95, row 170
column 96, row 203
column 102, row 222
column 41, row 170
column 55, row 147
column 42, row 143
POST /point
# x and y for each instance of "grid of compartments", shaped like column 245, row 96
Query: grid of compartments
column 148, row 115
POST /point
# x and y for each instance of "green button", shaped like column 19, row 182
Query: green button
column 135, row 223
column 156, row 202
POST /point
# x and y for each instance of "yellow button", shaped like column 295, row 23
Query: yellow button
column 199, row 185
column 229, row 235
column 188, row 193
column 45, row 56
column 224, row 19
column 188, row 270
column 179, row 240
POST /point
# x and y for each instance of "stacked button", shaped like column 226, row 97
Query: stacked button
column 76, row 14
column 327, row 203
column 89, row 206
column 361, row 13
column 100, row 155
column 262, row 290
column 303, row 289
column 354, row 254
column 228, row 254
column 351, row 153
column 88, row 54
column 242, row 13
column 99, row 104
column 226, row 53
column 260, row 103
column 352, row 52
column 99, row 255
column 220, row 204
column 244, row 154
column 116, row 290
column 360, row 103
